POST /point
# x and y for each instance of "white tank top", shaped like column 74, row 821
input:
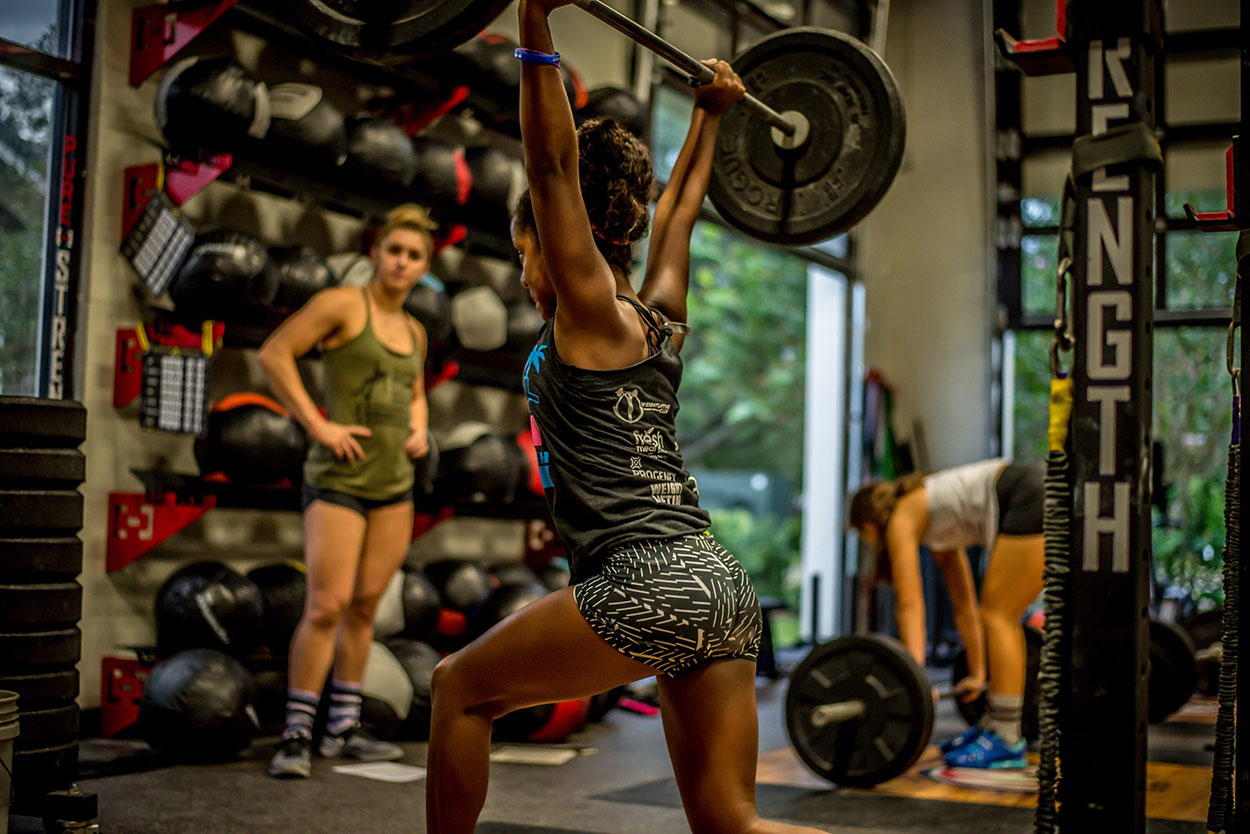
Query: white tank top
column 963, row 505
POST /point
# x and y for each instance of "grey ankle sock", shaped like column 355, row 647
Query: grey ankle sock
column 1003, row 716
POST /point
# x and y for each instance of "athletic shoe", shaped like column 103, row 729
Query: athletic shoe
column 293, row 759
column 357, row 744
column 966, row 737
column 989, row 751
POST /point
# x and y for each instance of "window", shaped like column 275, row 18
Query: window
column 43, row 118
column 25, row 142
column 32, row 23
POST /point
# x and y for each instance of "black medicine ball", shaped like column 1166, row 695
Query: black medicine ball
column 378, row 151
column 429, row 304
column 442, row 178
column 306, row 125
column 622, row 106
column 225, row 272
column 283, row 588
column 208, row 605
column 199, row 705
column 211, row 104
column 251, row 439
column 302, row 273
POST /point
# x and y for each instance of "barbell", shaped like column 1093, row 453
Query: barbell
column 811, row 150
column 859, row 709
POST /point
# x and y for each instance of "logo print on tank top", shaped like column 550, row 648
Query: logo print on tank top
column 544, row 457
column 534, row 362
column 630, row 407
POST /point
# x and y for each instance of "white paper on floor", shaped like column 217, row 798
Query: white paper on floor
column 383, row 771
column 517, row 754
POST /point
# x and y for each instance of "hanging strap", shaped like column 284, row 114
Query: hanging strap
column 1057, row 527
column 1220, row 809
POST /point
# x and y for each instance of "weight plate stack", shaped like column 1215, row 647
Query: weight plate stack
column 41, row 470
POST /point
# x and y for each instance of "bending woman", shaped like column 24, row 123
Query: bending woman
column 654, row 593
column 358, row 480
column 995, row 504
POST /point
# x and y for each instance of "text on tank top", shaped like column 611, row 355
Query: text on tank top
column 607, row 448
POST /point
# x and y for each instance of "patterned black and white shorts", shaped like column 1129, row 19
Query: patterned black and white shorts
column 673, row 603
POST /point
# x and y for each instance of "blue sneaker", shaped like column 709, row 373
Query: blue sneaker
column 991, row 752
column 966, row 737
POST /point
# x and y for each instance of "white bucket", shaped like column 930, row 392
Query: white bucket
column 8, row 732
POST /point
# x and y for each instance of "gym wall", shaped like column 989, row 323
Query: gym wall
column 117, row 607
column 923, row 250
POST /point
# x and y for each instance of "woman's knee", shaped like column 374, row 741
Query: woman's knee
column 453, row 685
column 324, row 612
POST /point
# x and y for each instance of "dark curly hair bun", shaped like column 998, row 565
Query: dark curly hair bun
column 614, row 168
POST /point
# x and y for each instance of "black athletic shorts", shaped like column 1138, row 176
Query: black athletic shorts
column 673, row 603
column 1021, row 499
column 354, row 503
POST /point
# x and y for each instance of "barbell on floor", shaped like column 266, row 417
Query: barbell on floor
column 811, row 151
column 859, row 709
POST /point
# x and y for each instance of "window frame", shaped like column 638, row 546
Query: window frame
column 57, row 370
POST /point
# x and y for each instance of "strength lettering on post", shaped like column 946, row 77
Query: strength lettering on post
column 1109, row 351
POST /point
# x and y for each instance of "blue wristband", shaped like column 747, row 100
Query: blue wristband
column 533, row 56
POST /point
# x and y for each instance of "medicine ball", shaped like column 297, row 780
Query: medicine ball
column 388, row 617
column 501, row 603
column 489, row 469
column 461, row 585
column 493, row 70
column 513, row 573
column 421, row 603
column 386, row 692
column 302, row 273
column 479, row 318
column 306, row 126
column 621, row 105
column 418, row 660
column 524, row 324
column 351, row 269
column 198, row 705
column 211, row 104
column 283, row 590
column 429, row 304
column 224, row 273
column 208, row 605
column 489, row 200
column 554, row 575
column 442, row 178
column 378, row 151
column 250, row 439
column 605, row 702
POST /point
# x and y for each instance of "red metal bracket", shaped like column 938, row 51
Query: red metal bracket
column 1048, row 56
column 138, row 523
column 1220, row 221
column 160, row 31
column 141, row 182
column 122, row 681
column 128, row 362
column 448, row 371
column 186, row 178
column 423, row 523
column 414, row 118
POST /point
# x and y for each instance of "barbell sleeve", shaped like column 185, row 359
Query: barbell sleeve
column 826, row 714
column 645, row 37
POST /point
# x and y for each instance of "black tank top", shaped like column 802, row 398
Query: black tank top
column 607, row 448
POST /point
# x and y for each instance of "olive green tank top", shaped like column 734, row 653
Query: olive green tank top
column 368, row 384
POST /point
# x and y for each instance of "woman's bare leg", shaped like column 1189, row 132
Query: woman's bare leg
column 545, row 652
column 712, row 730
column 386, row 544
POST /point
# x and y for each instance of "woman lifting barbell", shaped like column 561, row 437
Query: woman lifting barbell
column 358, row 479
column 993, row 503
column 654, row 593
